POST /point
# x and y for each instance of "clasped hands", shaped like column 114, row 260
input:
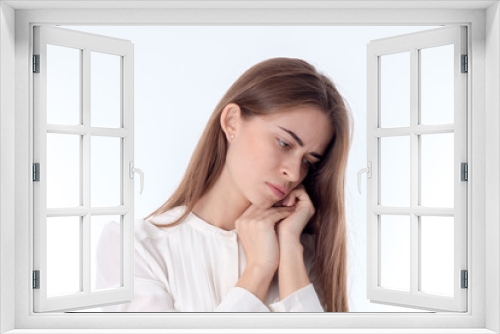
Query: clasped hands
column 264, row 232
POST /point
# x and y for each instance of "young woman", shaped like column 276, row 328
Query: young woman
column 257, row 224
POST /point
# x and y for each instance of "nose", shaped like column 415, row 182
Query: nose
column 292, row 169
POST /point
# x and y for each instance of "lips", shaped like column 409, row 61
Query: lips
column 278, row 190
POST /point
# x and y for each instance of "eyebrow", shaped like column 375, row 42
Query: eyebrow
column 300, row 142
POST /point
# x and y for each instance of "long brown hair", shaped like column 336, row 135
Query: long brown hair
column 271, row 85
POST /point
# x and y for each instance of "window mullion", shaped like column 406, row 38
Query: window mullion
column 414, row 171
column 86, row 219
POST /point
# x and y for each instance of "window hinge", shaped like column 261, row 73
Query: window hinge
column 36, row 279
column 36, row 172
column 464, row 171
column 36, row 63
column 465, row 64
column 465, row 279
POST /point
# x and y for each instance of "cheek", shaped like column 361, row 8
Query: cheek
column 252, row 158
column 256, row 155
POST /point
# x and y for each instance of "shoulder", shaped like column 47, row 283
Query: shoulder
column 151, row 228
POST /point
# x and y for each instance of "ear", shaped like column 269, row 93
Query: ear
column 230, row 120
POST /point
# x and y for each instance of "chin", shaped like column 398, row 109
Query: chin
column 260, row 200
column 256, row 200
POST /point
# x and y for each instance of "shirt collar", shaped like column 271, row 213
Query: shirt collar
column 193, row 220
column 201, row 224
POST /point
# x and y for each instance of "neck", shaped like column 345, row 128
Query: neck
column 223, row 204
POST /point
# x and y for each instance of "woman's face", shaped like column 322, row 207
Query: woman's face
column 276, row 150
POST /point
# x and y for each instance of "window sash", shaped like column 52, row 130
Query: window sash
column 413, row 43
column 86, row 43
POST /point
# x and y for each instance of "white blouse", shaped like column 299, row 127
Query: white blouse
column 194, row 267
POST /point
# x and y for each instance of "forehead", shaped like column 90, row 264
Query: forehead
column 309, row 123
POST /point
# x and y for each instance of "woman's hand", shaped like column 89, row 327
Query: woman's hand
column 256, row 230
column 303, row 209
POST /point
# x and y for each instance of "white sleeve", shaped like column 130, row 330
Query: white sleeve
column 308, row 298
column 150, row 295
column 303, row 300
column 238, row 299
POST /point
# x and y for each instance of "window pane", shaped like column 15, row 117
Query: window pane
column 395, row 252
column 437, row 85
column 106, row 252
column 395, row 171
column 63, row 255
column 63, row 85
column 63, row 170
column 105, row 90
column 437, row 234
column 105, row 171
column 437, row 170
column 395, row 90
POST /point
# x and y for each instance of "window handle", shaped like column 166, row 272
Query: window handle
column 136, row 170
column 368, row 172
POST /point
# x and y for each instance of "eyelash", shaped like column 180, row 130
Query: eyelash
column 283, row 144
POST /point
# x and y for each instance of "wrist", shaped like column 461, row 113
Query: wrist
column 259, row 270
column 291, row 254
column 256, row 280
column 292, row 273
column 289, row 240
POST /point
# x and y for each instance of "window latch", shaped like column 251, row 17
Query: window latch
column 368, row 172
column 133, row 170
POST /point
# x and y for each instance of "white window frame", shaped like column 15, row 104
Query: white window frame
column 483, row 21
column 412, row 44
column 86, row 44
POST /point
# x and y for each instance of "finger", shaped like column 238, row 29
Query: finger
column 294, row 195
column 258, row 214
column 279, row 203
column 275, row 216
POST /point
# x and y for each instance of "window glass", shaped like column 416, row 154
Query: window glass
column 395, row 171
column 437, row 170
column 63, row 255
column 105, row 234
column 105, row 88
column 63, row 170
column 395, row 90
column 63, row 85
column 105, row 171
column 395, row 252
column 437, row 249
column 437, row 85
